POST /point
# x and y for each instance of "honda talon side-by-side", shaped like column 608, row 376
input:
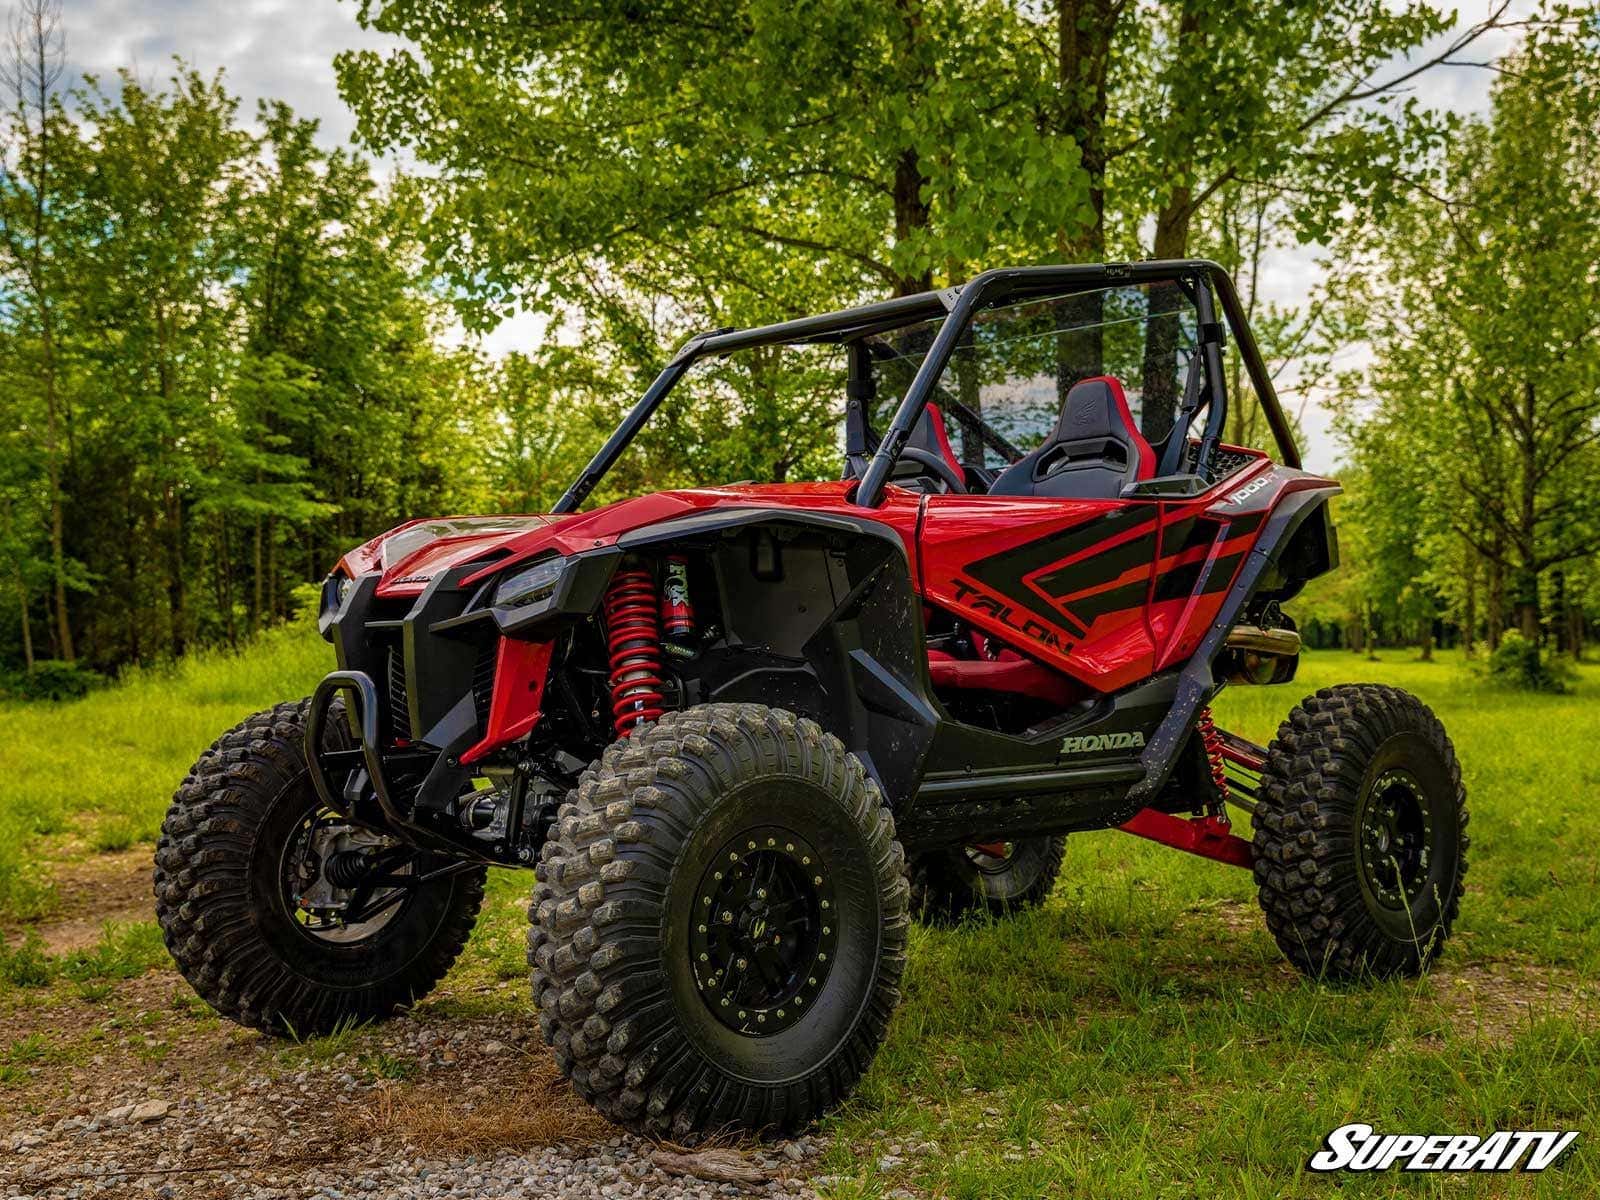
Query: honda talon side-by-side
column 744, row 734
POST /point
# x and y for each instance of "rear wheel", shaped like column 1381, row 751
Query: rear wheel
column 999, row 878
column 719, row 927
column 1360, row 834
column 256, row 883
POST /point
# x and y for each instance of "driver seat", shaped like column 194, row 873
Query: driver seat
column 1095, row 452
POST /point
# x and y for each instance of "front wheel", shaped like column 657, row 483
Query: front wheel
column 719, row 927
column 1360, row 834
column 256, row 883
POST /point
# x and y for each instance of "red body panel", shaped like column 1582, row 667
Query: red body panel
column 1106, row 592
column 464, row 539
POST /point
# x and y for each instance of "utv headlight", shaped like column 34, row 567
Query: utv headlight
column 531, row 585
column 335, row 590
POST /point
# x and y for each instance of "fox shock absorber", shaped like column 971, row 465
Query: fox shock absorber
column 633, row 636
column 677, row 614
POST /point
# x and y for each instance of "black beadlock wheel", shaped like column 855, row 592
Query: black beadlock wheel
column 995, row 878
column 235, row 848
column 719, row 926
column 1360, row 834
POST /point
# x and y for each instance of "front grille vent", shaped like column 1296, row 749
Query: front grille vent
column 483, row 682
column 399, row 704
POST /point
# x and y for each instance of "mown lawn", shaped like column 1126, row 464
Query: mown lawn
column 1139, row 1036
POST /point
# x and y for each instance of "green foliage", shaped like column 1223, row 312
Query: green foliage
column 50, row 679
column 1517, row 661
column 225, row 363
column 26, row 965
column 1473, row 430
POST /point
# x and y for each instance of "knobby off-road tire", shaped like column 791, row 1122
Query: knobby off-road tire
column 949, row 883
column 628, row 929
column 1360, row 834
column 225, row 914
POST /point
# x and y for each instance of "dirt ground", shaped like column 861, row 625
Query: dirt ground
column 136, row 1088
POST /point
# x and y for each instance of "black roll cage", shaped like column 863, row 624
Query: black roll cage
column 959, row 305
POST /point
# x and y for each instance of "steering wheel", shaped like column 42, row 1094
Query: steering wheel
column 937, row 466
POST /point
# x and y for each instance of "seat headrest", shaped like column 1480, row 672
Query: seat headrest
column 1096, row 409
column 929, row 434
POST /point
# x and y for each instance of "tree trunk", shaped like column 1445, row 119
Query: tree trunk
column 130, row 562
column 1559, row 624
column 26, row 623
column 1528, row 604
column 1160, row 375
column 1497, row 602
column 58, row 558
column 910, row 209
column 1527, row 533
column 1084, row 30
column 257, row 599
column 225, row 565
column 1427, row 640
column 1469, row 606
column 177, row 583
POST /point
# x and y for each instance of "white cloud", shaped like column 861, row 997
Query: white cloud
column 270, row 49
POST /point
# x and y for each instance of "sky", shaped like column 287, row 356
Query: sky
column 283, row 49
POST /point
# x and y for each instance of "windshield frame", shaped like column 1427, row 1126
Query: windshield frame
column 958, row 306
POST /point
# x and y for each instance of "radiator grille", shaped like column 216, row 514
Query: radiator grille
column 483, row 682
column 399, row 706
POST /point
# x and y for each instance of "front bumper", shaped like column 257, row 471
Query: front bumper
column 418, row 677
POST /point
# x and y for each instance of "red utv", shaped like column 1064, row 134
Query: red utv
column 744, row 733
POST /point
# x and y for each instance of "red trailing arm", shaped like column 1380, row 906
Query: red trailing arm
column 1207, row 836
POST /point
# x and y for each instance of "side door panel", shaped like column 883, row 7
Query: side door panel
column 1069, row 581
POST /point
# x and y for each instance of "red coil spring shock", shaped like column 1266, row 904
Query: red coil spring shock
column 1212, row 740
column 633, row 634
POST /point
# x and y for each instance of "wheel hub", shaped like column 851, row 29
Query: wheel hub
column 1396, row 832
column 763, row 931
column 324, row 865
column 991, row 858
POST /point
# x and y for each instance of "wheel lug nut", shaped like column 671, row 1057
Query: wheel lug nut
column 743, row 963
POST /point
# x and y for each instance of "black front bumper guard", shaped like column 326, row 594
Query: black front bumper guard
column 364, row 705
column 331, row 770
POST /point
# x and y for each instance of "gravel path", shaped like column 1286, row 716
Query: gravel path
column 152, row 1102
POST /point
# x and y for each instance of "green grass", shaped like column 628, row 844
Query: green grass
column 1126, row 1041
column 1139, row 1036
column 103, row 768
